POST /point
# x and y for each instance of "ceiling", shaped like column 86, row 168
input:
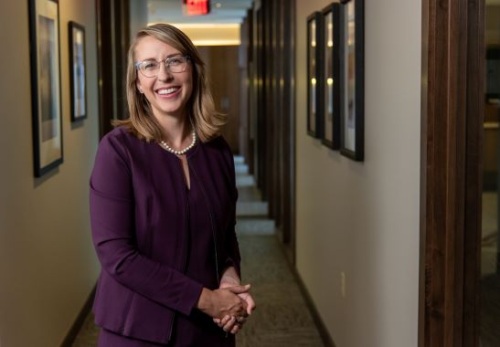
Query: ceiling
column 222, row 12
column 221, row 27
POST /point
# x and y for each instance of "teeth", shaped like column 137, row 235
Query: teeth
column 167, row 91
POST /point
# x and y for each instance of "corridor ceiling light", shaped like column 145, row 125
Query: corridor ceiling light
column 211, row 34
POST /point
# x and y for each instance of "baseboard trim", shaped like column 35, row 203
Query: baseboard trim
column 80, row 319
column 323, row 332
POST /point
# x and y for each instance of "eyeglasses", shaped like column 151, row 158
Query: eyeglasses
column 151, row 68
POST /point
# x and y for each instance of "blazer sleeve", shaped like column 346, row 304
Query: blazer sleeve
column 112, row 223
column 231, row 241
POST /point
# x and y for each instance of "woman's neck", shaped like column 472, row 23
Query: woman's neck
column 176, row 131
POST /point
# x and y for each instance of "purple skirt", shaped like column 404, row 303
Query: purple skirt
column 183, row 338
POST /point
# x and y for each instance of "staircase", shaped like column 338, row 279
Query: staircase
column 251, row 211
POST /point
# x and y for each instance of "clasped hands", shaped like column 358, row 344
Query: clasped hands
column 233, row 321
column 229, row 305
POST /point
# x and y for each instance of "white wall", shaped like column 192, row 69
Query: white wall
column 363, row 218
column 47, row 263
column 138, row 16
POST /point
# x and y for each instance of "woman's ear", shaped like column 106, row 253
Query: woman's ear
column 140, row 89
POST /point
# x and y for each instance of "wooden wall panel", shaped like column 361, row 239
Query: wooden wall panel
column 224, row 78
column 450, row 186
column 273, row 112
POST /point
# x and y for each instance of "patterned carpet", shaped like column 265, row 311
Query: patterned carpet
column 282, row 318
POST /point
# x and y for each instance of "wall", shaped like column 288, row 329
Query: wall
column 47, row 264
column 362, row 219
column 138, row 16
column 222, row 73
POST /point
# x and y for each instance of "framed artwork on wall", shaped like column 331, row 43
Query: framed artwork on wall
column 314, row 73
column 352, row 79
column 330, row 76
column 493, row 73
column 77, row 71
column 45, row 85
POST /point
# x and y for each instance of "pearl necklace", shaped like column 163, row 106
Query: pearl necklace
column 166, row 147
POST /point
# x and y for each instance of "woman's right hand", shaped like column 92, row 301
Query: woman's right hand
column 223, row 302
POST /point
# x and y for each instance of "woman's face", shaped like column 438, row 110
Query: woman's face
column 167, row 92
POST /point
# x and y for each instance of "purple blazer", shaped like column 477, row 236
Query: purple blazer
column 138, row 209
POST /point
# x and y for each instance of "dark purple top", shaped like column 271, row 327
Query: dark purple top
column 159, row 243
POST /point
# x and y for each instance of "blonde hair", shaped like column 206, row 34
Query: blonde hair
column 206, row 121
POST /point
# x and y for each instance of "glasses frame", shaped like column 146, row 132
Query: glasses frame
column 165, row 62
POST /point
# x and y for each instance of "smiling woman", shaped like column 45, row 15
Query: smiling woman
column 163, row 208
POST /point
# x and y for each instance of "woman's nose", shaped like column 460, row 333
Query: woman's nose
column 164, row 72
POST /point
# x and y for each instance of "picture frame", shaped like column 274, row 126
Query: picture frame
column 352, row 79
column 493, row 73
column 331, row 74
column 78, row 85
column 314, row 73
column 45, row 85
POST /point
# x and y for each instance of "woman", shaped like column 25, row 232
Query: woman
column 162, row 203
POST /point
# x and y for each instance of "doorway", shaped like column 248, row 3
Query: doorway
column 490, row 237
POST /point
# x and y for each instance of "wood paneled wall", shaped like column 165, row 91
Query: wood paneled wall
column 224, row 79
column 272, row 111
column 452, row 120
column 113, row 27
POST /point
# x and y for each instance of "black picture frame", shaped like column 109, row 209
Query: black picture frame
column 314, row 73
column 492, row 73
column 352, row 79
column 331, row 74
column 45, row 85
column 77, row 69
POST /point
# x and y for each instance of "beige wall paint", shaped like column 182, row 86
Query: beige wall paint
column 138, row 16
column 362, row 219
column 492, row 18
column 47, row 262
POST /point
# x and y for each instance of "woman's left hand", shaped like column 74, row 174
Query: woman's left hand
column 234, row 324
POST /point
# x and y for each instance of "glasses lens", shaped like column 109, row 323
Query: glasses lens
column 149, row 68
column 177, row 63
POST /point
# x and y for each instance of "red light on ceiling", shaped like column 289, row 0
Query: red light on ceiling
column 197, row 7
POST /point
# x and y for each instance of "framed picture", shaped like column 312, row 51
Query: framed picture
column 352, row 79
column 45, row 85
column 331, row 71
column 77, row 71
column 314, row 69
column 493, row 73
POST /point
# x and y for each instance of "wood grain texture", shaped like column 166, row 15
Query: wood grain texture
column 451, row 137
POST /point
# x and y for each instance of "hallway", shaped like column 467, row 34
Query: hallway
column 282, row 318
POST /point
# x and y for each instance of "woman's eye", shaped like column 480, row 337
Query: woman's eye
column 149, row 65
column 174, row 61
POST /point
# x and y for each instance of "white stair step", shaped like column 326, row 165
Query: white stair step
column 252, row 208
column 244, row 180
column 241, row 168
column 256, row 226
column 238, row 159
